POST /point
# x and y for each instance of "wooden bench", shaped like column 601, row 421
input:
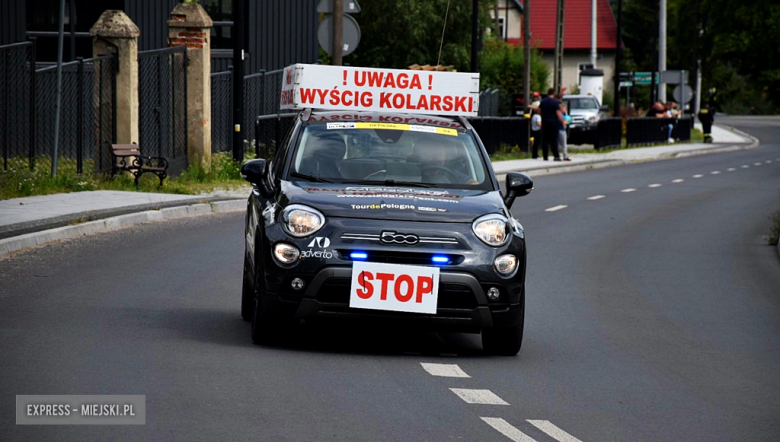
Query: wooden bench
column 127, row 157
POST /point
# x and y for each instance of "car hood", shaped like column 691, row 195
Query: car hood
column 398, row 203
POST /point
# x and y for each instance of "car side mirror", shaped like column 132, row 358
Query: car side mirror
column 517, row 185
column 253, row 170
column 604, row 108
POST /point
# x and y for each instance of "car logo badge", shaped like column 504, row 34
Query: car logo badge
column 391, row 237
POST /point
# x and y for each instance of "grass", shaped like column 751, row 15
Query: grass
column 774, row 230
column 506, row 153
column 224, row 173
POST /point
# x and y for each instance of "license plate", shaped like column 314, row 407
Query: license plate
column 394, row 287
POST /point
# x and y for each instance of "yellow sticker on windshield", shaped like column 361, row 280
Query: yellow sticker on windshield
column 394, row 126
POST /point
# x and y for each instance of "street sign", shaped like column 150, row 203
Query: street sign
column 687, row 92
column 351, row 36
column 644, row 77
column 350, row 7
column 626, row 83
column 674, row 77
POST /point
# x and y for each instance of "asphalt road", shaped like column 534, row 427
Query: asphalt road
column 652, row 315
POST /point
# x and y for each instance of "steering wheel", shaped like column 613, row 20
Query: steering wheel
column 450, row 176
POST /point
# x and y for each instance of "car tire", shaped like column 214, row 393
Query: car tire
column 247, row 293
column 265, row 329
column 504, row 341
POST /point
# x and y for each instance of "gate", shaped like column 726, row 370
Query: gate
column 162, row 105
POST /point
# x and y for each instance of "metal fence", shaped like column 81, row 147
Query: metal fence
column 162, row 103
column 609, row 133
column 222, row 111
column 27, row 111
column 496, row 132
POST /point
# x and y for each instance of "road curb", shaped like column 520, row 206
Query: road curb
column 600, row 164
column 34, row 239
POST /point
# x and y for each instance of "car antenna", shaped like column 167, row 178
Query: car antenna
column 443, row 27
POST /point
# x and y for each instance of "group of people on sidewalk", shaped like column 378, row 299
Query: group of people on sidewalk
column 548, row 126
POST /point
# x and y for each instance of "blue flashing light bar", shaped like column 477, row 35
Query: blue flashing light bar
column 359, row 256
column 440, row 259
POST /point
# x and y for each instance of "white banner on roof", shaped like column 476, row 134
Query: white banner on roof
column 383, row 90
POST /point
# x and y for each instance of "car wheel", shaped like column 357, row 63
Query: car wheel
column 247, row 293
column 265, row 329
column 504, row 341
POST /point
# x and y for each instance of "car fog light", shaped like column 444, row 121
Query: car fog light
column 493, row 294
column 297, row 284
column 285, row 253
column 506, row 264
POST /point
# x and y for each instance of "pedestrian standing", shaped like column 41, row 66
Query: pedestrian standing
column 562, row 138
column 707, row 118
column 551, row 115
column 536, row 133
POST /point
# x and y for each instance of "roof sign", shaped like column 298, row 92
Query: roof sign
column 383, row 90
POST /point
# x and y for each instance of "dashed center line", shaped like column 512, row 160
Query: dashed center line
column 472, row 396
column 507, row 429
column 715, row 172
column 698, row 175
column 745, row 166
column 630, row 189
column 550, row 428
column 768, row 161
column 731, row 169
column 678, row 180
column 555, row 208
column 654, row 185
column 444, row 370
column 757, row 163
column 595, row 197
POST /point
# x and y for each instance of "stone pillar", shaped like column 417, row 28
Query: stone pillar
column 190, row 25
column 115, row 32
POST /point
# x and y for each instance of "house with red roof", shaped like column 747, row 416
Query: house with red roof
column 576, row 35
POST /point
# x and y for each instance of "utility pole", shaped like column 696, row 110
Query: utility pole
column 662, row 50
column 474, row 35
column 338, row 32
column 558, row 67
column 58, row 100
column 239, row 16
column 593, row 33
column 527, row 57
column 618, row 58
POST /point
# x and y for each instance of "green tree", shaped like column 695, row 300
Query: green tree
column 502, row 66
column 400, row 33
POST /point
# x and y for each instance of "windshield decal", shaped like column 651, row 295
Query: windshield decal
column 440, row 196
column 394, row 126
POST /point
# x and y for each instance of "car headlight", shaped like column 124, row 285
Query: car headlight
column 300, row 221
column 506, row 264
column 491, row 229
column 286, row 253
column 593, row 119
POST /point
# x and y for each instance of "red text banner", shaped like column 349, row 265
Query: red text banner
column 381, row 90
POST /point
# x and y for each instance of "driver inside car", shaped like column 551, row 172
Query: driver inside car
column 437, row 154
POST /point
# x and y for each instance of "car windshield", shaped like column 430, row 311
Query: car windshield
column 368, row 153
column 583, row 103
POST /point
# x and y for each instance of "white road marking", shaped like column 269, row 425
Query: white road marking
column 757, row 163
column 471, row 396
column 445, row 370
column 768, row 161
column 745, row 166
column 595, row 197
column 678, row 180
column 555, row 208
column 557, row 434
column 654, row 185
column 698, row 175
column 630, row 189
column 507, row 429
column 715, row 172
column 731, row 169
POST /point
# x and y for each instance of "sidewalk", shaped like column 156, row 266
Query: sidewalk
column 723, row 138
column 35, row 220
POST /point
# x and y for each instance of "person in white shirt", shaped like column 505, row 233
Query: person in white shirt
column 536, row 133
